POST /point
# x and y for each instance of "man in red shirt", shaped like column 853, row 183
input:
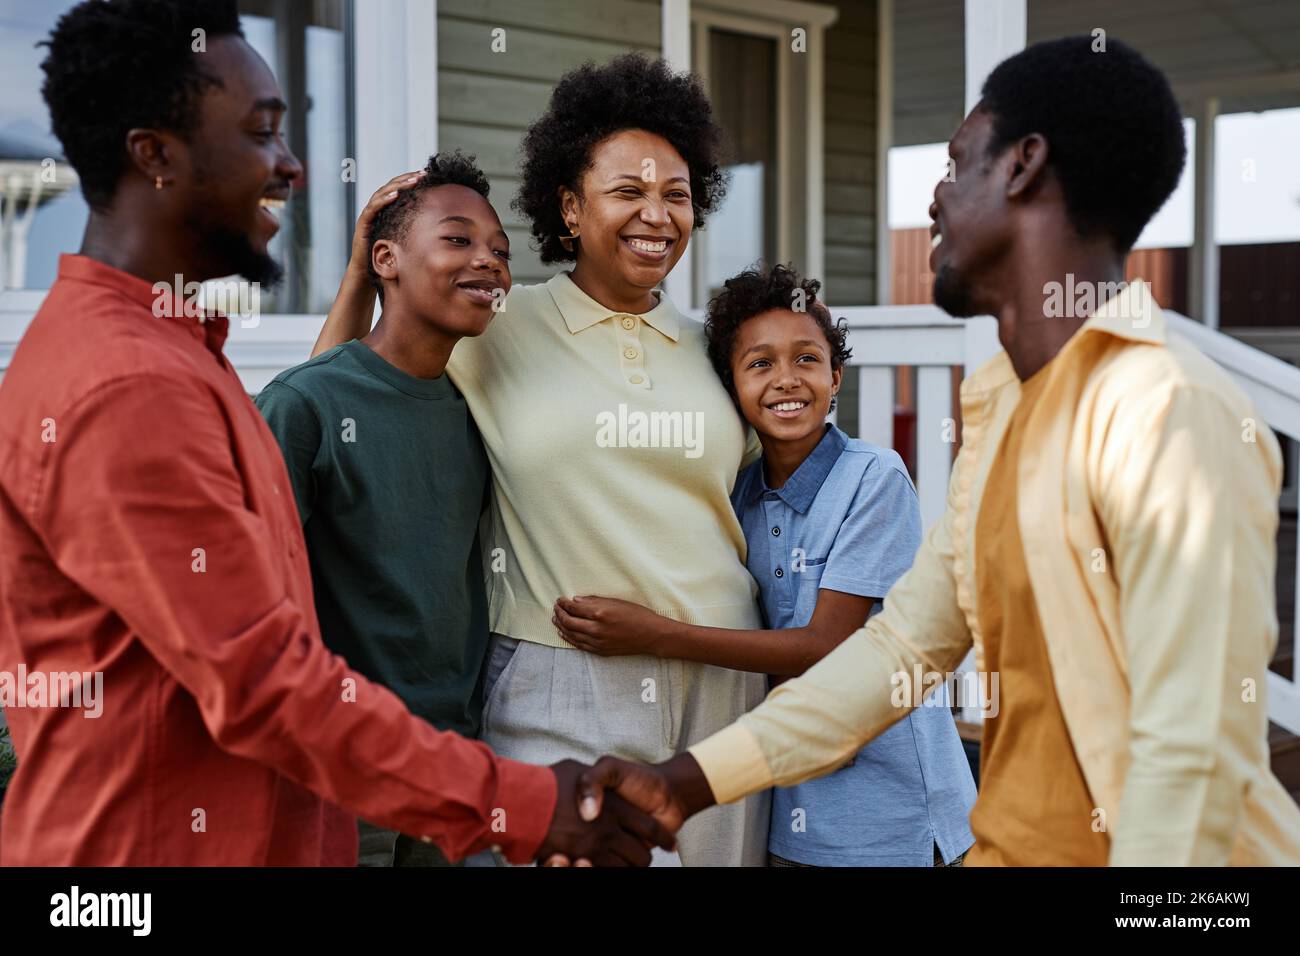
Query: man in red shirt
column 148, row 531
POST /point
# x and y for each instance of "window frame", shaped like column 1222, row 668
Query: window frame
column 393, row 47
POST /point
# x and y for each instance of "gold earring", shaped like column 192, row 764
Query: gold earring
column 567, row 241
column 157, row 182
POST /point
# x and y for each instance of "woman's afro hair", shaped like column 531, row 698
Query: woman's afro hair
column 592, row 102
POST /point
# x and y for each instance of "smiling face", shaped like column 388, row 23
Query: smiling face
column 781, row 367
column 632, row 214
column 450, row 265
column 971, row 233
column 236, row 173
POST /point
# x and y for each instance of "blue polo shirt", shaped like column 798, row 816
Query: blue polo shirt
column 848, row 520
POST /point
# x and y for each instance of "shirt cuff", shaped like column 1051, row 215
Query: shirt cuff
column 733, row 763
column 527, row 794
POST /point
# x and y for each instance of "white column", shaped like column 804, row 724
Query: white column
column 884, row 139
column 16, row 227
column 675, row 33
column 675, row 47
column 422, row 74
column 396, row 90
column 11, row 276
column 1204, row 272
column 995, row 29
column 814, row 139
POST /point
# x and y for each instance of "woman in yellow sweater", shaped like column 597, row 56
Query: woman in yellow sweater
column 613, row 446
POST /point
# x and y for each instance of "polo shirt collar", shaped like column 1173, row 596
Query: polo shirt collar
column 801, row 488
column 581, row 311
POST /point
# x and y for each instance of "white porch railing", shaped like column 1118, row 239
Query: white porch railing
column 924, row 337
column 884, row 338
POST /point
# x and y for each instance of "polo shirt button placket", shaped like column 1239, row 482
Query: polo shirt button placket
column 631, row 353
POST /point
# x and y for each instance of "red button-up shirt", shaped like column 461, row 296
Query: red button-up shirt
column 148, row 533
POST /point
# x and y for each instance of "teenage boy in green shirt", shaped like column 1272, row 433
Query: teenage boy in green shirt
column 387, row 466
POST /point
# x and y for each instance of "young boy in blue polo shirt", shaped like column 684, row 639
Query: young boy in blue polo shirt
column 831, row 523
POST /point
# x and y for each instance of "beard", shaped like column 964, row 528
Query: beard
column 230, row 247
column 234, row 249
column 952, row 293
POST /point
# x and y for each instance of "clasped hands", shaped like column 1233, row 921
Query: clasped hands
column 615, row 812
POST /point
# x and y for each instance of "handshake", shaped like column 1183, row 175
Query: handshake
column 615, row 812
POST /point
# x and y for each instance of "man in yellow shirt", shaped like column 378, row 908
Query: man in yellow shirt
column 1109, row 543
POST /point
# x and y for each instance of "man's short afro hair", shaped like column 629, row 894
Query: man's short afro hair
column 756, row 291
column 1113, row 129
column 116, row 65
column 592, row 102
column 392, row 221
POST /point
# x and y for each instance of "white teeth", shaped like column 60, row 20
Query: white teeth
column 938, row 238
column 273, row 206
column 644, row 246
column 788, row 406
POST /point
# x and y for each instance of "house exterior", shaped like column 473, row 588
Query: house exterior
column 812, row 95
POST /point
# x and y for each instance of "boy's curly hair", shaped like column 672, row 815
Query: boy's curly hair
column 756, row 291
column 593, row 102
column 392, row 221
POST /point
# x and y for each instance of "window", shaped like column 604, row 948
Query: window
column 41, row 210
column 743, row 231
column 308, row 46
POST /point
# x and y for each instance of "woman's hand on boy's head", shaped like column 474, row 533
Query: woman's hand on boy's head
column 608, row 626
column 384, row 195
